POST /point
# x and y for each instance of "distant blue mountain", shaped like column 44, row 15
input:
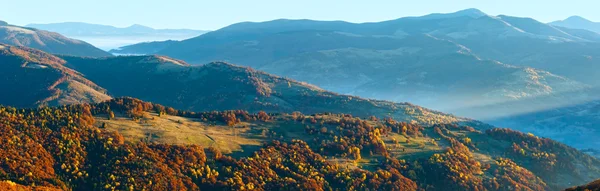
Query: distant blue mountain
column 577, row 22
column 86, row 29
column 109, row 37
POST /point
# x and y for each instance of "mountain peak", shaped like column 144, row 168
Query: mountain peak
column 471, row 12
column 576, row 18
column 137, row 26
column 578, row 22
column 3, row 23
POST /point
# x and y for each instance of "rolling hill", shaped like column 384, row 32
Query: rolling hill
column 126, row 143
column 40, row 79
column 50, row 42
column 223, row 86
column 32, row 78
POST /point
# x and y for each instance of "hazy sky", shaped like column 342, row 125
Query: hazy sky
column 214, row 14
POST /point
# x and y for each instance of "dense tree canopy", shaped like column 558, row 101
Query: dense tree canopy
column 61, row 148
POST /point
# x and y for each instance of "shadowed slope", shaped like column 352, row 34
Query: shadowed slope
column 223, row 86
column 31, row 78
column 50, row 42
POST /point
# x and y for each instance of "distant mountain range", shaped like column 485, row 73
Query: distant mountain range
column 87, row 29
column 46, row 41
column 109, row 37
column 446, row 61
column 510, row 40
column 577, row 22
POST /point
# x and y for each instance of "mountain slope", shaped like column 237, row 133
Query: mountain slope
column 422, row 70
column 516, row 41
column 32, row 78
column 50, row 80
column 50, row 42
column 577, row 22
column 537, row 45
column 419, row 68
column 572, row 124
column 222, row 86
column 91, row 147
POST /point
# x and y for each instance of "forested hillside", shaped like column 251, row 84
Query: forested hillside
column 593, row 186
column 65, row 148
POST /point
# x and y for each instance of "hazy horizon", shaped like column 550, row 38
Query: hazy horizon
column 214, row 15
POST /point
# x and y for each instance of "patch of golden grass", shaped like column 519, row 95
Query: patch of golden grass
column 416, row 146
column 181, row 131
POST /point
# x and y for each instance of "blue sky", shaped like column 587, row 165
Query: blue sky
column 214, row 14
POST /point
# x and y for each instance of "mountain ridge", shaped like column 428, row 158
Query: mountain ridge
column 39, row 78
column 85, row 29
column 47, row 41
column 177, row 84
column 578, row 22
column 239, row 88
column 371, row 59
